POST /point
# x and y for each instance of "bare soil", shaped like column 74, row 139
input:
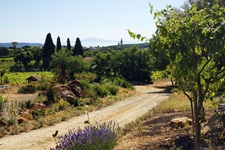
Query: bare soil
column 12, row 94
column 154, row 133
column 123, row 112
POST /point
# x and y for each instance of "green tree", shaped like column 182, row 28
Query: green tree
column 77, row 65
column 194, row 44
column 4, row 51
column 59, row 65
column 64, row 65
column 48, row 50
column 58, row 44
column 68, row 44
column 24, row 58
column 37, row 53
column 132, row 64
column 78, row 49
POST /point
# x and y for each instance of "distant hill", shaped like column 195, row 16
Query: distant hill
column 91, row 41
column 114, row 47
column 97, row 42
column 21, row 44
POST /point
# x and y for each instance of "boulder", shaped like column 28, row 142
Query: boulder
column 180, row 122
column 69, row 91
column 34, row 78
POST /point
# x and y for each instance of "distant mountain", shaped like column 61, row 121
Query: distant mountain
column 21, row 44
column 114, row 47
column 97, row 42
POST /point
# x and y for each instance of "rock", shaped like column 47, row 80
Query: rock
column 21, row 120
column 180, row 122
column 69, row 91
column 40, row 105
column 3, row 123
column 34, row 78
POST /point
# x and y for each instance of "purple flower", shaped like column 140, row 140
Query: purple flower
column 99, row 137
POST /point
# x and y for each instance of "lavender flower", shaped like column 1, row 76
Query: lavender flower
column 100, row 137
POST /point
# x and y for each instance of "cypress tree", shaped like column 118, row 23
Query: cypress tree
column 58, row 44
column 78, row 49
column 68, row 44
column 48, row 50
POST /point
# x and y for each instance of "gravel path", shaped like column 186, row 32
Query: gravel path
column 123, row 112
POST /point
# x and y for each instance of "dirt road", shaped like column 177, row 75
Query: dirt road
column 123, row 112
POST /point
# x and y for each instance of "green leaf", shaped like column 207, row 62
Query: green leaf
column 151, row 8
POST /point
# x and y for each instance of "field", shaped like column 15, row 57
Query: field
column 18, row 78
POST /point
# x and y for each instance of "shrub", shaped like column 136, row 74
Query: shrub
column 123, row 83
column 63, row 104
column 50, row 94
column 157, row 75
column 100, row 137
column 87, row 76
column 92, row 95
column 101, row 90
column 38, row 113
column 27, row 89
column 29, row 104
column 113, row 89
column 85, row 84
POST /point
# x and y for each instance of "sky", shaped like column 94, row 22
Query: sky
column 31, row 20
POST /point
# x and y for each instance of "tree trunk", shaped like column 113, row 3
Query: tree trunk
column 197, row 123
column 192, row 116
column 172, row 82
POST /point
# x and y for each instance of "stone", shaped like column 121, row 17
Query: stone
column 69, row 91
column 180, row 122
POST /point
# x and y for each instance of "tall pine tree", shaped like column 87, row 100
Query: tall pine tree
column 68, row 44
column 48, row 50
column 58, row 44
column 78, row 49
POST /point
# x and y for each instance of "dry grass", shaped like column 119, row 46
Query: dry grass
column 176, row 102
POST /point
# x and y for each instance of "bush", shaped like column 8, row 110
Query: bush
column 50, row 94
column 157, row 75
column 90, row 77
column 27, row 89
column 101, row 90
column 113, row 89
column 85, row 84
column 123, row 83
column 63, row 104
column 29, row 104
column 100, row 137
column 38, row 113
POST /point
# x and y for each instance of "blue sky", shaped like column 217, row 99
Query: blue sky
column 31, row 20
